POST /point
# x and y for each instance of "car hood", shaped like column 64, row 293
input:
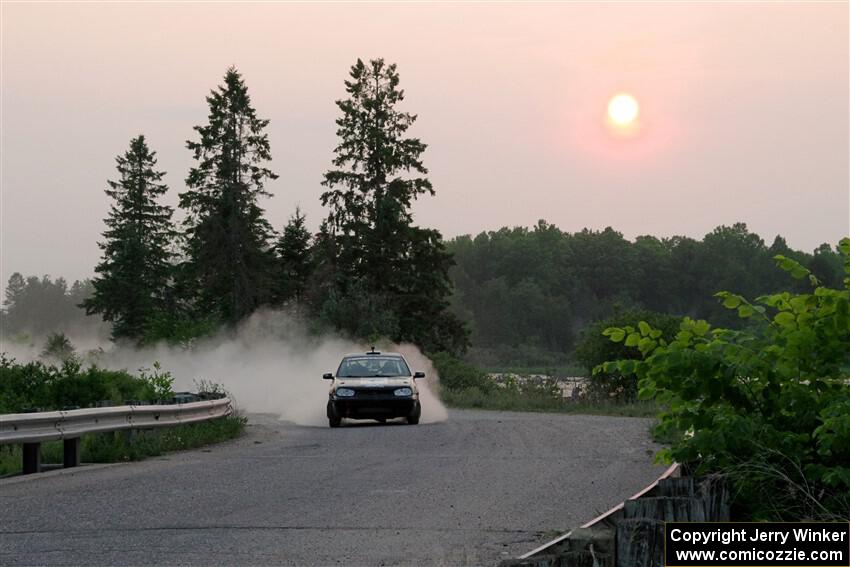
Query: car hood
column 392, row 382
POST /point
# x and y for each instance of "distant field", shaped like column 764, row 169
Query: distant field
column 473, row 398
column 566, row 369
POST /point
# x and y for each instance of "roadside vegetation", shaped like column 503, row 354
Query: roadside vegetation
column 767, row 405
column 131, row 446
column 51, row 384
column 465, row 386
column 503, row 399
column 43, row 385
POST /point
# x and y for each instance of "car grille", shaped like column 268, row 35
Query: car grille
column 372, row 393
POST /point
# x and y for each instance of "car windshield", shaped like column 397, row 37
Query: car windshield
column 372, row 366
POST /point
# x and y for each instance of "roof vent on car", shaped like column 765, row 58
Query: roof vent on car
column 373, row 351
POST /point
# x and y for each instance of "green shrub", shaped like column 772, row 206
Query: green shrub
column 160, row 381
column 58, row 347
column 47, row 387
column 593, row 349
column 457, row 375
column 768, row 405
column 465, row 386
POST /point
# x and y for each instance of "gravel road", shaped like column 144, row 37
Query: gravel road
column 475, row 489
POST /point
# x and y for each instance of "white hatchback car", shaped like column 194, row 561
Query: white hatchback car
column 373, row 385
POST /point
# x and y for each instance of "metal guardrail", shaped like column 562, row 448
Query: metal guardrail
column 607, row 517
column 31, row 429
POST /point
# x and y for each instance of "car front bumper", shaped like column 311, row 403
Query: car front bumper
column 372, row 408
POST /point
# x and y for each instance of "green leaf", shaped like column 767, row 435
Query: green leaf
column 799, row 272
column 746, row 311
column 793, row 267
column 646, row 345
column 646, row 393
column 615, row 334
column 799, row 304
column 732, row 301
column 644, row 327
column 701, row 327
column 786, row 319
column 633, row 339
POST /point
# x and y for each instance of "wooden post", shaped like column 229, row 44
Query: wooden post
column 640, row 534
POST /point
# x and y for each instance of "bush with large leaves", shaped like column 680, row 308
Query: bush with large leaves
column 769, row 404
column 593, row 349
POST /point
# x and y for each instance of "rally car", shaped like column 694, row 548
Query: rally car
column 373, row 385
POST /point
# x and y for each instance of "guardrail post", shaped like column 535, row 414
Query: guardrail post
column 71, row 454
column 32, row 458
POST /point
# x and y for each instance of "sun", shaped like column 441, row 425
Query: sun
column 623, row 110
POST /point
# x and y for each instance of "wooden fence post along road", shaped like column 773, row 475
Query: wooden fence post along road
column 31, row 429
column 631, row 534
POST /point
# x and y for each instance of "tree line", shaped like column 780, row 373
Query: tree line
column 528, row 294
column 369, row 271
column 41, row 305
column 518, row 296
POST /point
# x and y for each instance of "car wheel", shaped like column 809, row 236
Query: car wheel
column 413, row 416
column 334, row 419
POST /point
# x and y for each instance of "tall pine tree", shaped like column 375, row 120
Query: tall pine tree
column 378, row 174
column 133, row 278
column 230, row 261
column 294, row 259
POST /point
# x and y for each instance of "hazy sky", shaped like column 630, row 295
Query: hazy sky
column 744, row 111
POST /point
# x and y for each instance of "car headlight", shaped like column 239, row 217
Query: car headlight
column 344, row 392
column 403, row 392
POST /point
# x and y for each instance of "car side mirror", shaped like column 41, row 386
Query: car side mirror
column 418, row 375
column 327, row 376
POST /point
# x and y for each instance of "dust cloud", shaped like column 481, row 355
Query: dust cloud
column 270, row 364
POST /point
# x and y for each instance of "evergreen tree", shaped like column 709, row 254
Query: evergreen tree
column 826, row 265
column 229, row 257
column 380, row 254
column 133, row 277
column 294, row 258
column 15, row 291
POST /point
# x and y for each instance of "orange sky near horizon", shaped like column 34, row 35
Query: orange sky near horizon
column 743, row 111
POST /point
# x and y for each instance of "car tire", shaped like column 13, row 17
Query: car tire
column 334, row 419
column 413, row 416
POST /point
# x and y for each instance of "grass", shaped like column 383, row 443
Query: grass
column 124, row 446
column 474, row 398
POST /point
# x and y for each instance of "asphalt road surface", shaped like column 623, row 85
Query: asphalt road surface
column 473, row 490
